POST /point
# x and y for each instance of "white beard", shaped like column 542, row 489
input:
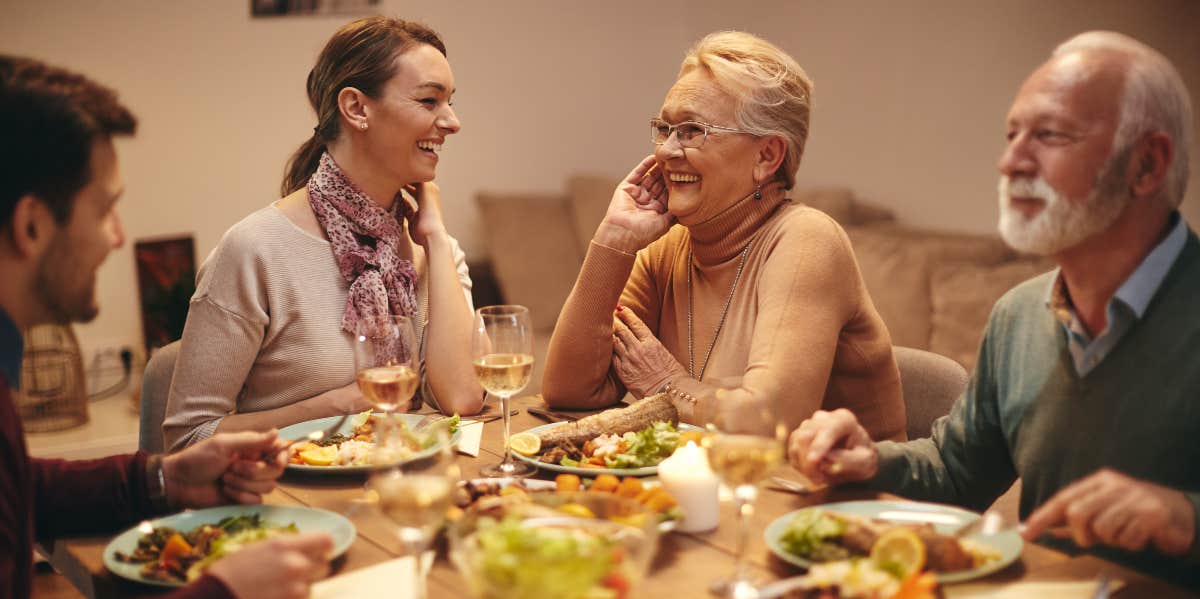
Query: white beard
column 1062, row 223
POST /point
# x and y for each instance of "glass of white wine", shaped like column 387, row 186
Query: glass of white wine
column 745, row 444
column 415, row 495
column 385, row 364
column 502, row 351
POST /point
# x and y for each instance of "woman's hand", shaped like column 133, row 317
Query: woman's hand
column 637, row 214
column 427, row 224
column 640, row 359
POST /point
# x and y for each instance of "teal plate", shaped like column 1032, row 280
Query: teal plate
column 1007, row 543
column 306, row 519
column 301, row 430
column 644, row 471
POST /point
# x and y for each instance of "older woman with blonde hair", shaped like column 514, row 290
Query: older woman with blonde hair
column 716, row 278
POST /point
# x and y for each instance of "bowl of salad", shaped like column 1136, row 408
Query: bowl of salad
column 556, row 546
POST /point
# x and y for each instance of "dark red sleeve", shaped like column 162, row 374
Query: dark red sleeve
column 88, row 496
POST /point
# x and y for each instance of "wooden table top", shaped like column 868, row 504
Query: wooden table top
column 686, row 562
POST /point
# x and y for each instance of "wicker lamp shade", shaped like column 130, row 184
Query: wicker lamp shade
column 53, row 393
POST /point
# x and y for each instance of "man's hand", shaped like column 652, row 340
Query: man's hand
column 280, row 568
column 832, row 447
column 640, row 359
column 232, row 467
column 637, row 214
column 1114, row 509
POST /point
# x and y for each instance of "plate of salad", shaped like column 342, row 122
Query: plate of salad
column 349, row 449
column 174, row 550
column 635, row 453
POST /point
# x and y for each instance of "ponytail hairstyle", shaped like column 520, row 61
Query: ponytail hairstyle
column 362, row 54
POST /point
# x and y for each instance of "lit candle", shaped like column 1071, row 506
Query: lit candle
column 687, row 477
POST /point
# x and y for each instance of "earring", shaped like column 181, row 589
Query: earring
column 363, row 125
column 758, row 192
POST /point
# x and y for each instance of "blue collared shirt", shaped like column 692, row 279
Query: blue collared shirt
column 12, row 349
column 1127, row 305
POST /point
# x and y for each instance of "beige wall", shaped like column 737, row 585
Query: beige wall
column 909, row 101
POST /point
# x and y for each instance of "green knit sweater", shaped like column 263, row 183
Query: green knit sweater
column 1027, row 413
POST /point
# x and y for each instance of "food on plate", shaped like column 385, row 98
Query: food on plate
column 525, row 443
column 645, row 447
column 863, row 579
column 636, row 417
column 355, row 448
column 496, row 493
column 823, row 536
column 169, row 555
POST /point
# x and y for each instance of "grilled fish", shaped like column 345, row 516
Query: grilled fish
column 639, row 415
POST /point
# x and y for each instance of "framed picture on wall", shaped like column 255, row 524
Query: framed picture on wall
column 279, row 8
column 166, row 273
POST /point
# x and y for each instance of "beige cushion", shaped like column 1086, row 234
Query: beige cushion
column 534, row 250
column 896, row 263
column 588, row 197
column 963, row 296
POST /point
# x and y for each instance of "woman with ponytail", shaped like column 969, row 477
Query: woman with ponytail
column 268, row 340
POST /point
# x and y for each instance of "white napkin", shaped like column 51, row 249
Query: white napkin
column 392, row 579
column 472, row 435
column 1083, row 589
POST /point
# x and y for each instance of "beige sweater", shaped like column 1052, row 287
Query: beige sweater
column 801, row 329
column 264, row 329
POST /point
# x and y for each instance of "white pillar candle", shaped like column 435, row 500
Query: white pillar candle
column 687, row 477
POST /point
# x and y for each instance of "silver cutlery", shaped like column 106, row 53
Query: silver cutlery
column 551, row 416
column 1102, row 587
column 321, row 434
column 786, row 485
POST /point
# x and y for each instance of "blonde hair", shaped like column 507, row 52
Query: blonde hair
column 772, row 93
column 1155, row 99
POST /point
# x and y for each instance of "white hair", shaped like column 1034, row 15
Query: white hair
column 1154, row 99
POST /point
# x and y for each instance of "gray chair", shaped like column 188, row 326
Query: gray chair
column 931, row 384
column 156, row 384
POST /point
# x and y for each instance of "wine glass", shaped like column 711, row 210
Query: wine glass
column 745, row 443
column 415, row 495
column 385, row 365
column 502, row 352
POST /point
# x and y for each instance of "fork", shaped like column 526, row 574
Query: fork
column 321, row 434
column 793, row 486
column 1102, row 587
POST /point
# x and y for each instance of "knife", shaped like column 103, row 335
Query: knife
column 551, row 416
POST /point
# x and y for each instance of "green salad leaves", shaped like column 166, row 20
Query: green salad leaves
column 808, row 536
column 646, row 447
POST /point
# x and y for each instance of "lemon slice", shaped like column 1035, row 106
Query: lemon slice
column 900, row 551
column 319, row 456
column 525, row 443
column 577, row 510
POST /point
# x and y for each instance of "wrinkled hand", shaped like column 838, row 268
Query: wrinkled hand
column 229, row 467
column 428, row 220
column 641, row 361
column 637, row 214
column 832, row 448
column 280, row 568
column 1114, row 509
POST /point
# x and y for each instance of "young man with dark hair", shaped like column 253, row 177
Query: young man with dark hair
column 59, row 184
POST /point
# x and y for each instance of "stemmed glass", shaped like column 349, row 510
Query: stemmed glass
column 415, row 495
column 385, row 363
column 745, row 443
column 502, row 352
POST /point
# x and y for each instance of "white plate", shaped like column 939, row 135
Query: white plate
column 1008, row 543
column 644, row 471
column 301, row 430
column 306, row 519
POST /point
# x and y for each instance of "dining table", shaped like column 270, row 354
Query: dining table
column 684, row 566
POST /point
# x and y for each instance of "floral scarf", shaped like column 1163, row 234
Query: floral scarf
column 366, row 241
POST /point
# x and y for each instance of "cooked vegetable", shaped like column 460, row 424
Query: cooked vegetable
column 567, row 483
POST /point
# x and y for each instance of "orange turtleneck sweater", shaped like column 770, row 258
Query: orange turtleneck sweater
column 801, row 330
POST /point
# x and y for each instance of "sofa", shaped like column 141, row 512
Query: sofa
column 934, row 289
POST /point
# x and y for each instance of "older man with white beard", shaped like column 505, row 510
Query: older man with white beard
column 1086, row 385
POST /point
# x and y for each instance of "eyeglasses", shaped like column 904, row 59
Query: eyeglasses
column 689, row 134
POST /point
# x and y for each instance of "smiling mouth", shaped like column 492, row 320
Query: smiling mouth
column 682, row 178
column 432, row 147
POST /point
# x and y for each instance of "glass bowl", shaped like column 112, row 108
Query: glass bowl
column 554, row 546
